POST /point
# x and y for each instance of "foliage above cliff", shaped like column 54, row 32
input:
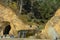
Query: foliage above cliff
column 33, row 11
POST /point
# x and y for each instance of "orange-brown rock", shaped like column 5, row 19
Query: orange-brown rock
column 7, row 15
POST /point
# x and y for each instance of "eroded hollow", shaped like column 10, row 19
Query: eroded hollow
column 6, row 30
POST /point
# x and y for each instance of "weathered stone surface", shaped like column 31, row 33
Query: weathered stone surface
column 52, row 28
column 8, row 16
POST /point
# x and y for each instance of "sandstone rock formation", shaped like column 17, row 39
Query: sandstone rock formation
column 8, row 17
column 52, row 28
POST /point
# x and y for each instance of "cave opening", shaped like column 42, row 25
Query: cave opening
column 6, row 30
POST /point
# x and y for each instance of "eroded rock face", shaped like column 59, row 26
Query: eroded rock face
column 7, row 15
column 52, row 28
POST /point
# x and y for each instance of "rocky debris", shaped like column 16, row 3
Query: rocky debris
column 7, row 36
column 8, row 15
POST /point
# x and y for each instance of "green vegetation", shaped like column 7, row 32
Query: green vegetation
column 34, row 11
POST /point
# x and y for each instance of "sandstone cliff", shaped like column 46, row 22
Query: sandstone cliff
column 7, row 15
column 52, row 27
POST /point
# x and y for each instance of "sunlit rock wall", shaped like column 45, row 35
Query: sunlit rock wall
column 6, row 14
column 52, row 28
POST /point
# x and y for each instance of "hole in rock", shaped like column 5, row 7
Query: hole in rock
column 6, row 30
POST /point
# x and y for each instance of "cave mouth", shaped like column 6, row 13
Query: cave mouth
column 6, row 30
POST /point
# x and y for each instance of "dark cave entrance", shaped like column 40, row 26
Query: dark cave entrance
column 6, row 30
